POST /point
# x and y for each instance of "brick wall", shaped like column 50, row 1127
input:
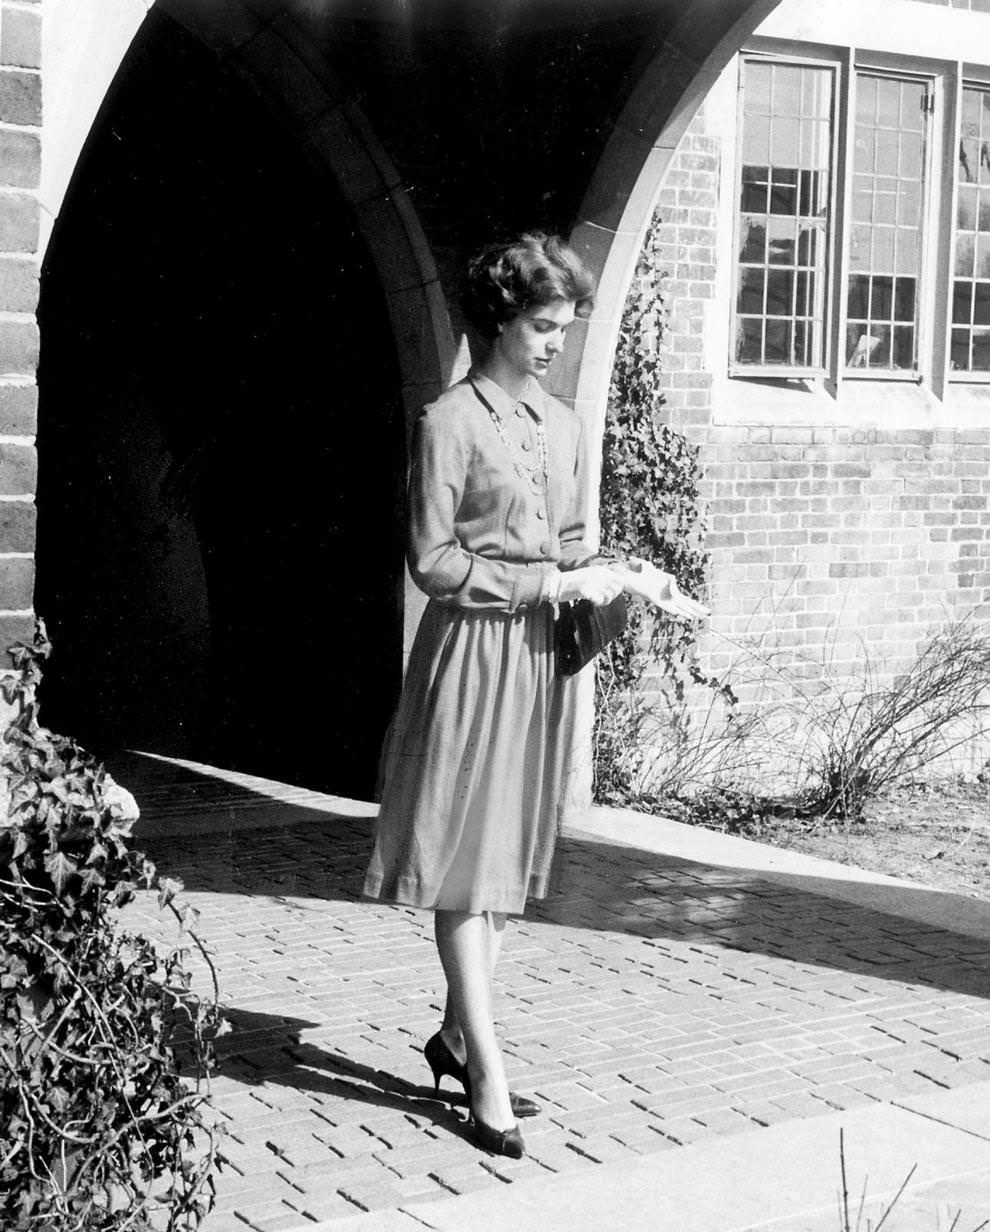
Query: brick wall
column 832, row 537
column 20, row 166
column 683, row 251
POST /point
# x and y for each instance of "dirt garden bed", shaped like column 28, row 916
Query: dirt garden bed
column 938, row 835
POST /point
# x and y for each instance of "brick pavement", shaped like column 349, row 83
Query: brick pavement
column 648, row 1002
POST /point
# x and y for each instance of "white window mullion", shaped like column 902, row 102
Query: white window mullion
column 841, row 209
column 945, row 137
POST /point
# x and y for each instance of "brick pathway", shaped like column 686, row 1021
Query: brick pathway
column 648, row 1002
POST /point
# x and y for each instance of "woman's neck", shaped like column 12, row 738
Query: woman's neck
column 505, row 376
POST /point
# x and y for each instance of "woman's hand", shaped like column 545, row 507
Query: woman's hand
column 599, row 583
column 646, row 580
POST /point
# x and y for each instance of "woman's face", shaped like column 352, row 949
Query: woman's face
column 531, row 341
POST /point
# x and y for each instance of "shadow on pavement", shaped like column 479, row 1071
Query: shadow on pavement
column 264, row 849
column 267, row 1049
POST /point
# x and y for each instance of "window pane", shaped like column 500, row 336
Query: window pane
column 749, row 340
column 904, row 299
column 780, row 293
column 781, row 247
column 752, row 242
column 981, row 350
column 858, row 303
column 968, row 202
column 784, row 192
column 755, row 189
column 783, row 214
column 751, row 287
column 808, row 246
column 960, row 357
column 778, row 342
column 970, row 348
column 886, row 224
column 909, row 203
column 965, row 253
column 903, row 346
column 962, row 303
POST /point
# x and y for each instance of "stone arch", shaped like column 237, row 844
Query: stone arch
column 263, row 44
column 622, row 195
column 267, row 48
column 265, row 61
column 612, row 223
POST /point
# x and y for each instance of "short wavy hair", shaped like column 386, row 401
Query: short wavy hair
column 526, row 271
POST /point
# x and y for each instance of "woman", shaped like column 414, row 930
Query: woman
column 475, row 760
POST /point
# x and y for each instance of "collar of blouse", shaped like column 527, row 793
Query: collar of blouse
column 502, row 403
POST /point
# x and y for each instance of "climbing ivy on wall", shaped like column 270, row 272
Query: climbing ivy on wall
column 650, row 507
column 650, row 498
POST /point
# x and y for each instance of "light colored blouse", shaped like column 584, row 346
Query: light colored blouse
column 482, row 535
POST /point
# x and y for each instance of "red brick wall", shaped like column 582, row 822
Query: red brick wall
column 832, row 535
column 20, row 165
column 684, row 252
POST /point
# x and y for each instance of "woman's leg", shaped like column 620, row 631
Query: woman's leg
column 450, row 1028
column 465, row 943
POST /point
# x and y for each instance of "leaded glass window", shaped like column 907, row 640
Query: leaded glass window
column 970, row 349
column 886, row 221
column 862, row 228
column 975, row 6
column 784, row 196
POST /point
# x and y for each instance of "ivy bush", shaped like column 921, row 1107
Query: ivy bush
column 101, row 1132
column 650, row 498
column 650, row 507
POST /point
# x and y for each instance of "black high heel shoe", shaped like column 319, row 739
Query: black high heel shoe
column 442, row 1061
column 507, row 1142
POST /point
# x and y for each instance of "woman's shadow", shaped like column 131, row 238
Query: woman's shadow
column 267, row 1049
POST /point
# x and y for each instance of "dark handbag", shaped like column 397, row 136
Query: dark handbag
column 583, row 629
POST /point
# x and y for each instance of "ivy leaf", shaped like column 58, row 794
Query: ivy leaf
column 97, row 853
column 167, row 890
column 60, row 868
column 92, row 879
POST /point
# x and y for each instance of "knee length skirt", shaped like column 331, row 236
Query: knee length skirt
column 474, row 765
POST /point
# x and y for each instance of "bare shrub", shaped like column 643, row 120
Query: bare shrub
column 817, row 736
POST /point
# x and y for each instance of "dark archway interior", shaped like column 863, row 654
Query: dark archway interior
column 494, row 112
column 220, row 441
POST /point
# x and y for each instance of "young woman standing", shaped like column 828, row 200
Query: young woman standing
column 475, row 761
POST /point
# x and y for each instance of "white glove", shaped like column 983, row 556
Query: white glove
column 599, row 583
column 646, row 580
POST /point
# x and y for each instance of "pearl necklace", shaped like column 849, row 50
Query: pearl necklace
column 529, row 474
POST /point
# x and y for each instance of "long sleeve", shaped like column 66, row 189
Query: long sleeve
column 440, row 565
column 574, row 550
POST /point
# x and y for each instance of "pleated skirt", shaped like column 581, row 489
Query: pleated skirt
column 474, row 765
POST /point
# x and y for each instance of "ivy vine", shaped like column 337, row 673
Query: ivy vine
column 100, row 1129
column 650, row 507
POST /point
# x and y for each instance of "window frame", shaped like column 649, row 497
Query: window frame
column 973, row 78
column 926, row 272
column 784, row 371
column 944, row 82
